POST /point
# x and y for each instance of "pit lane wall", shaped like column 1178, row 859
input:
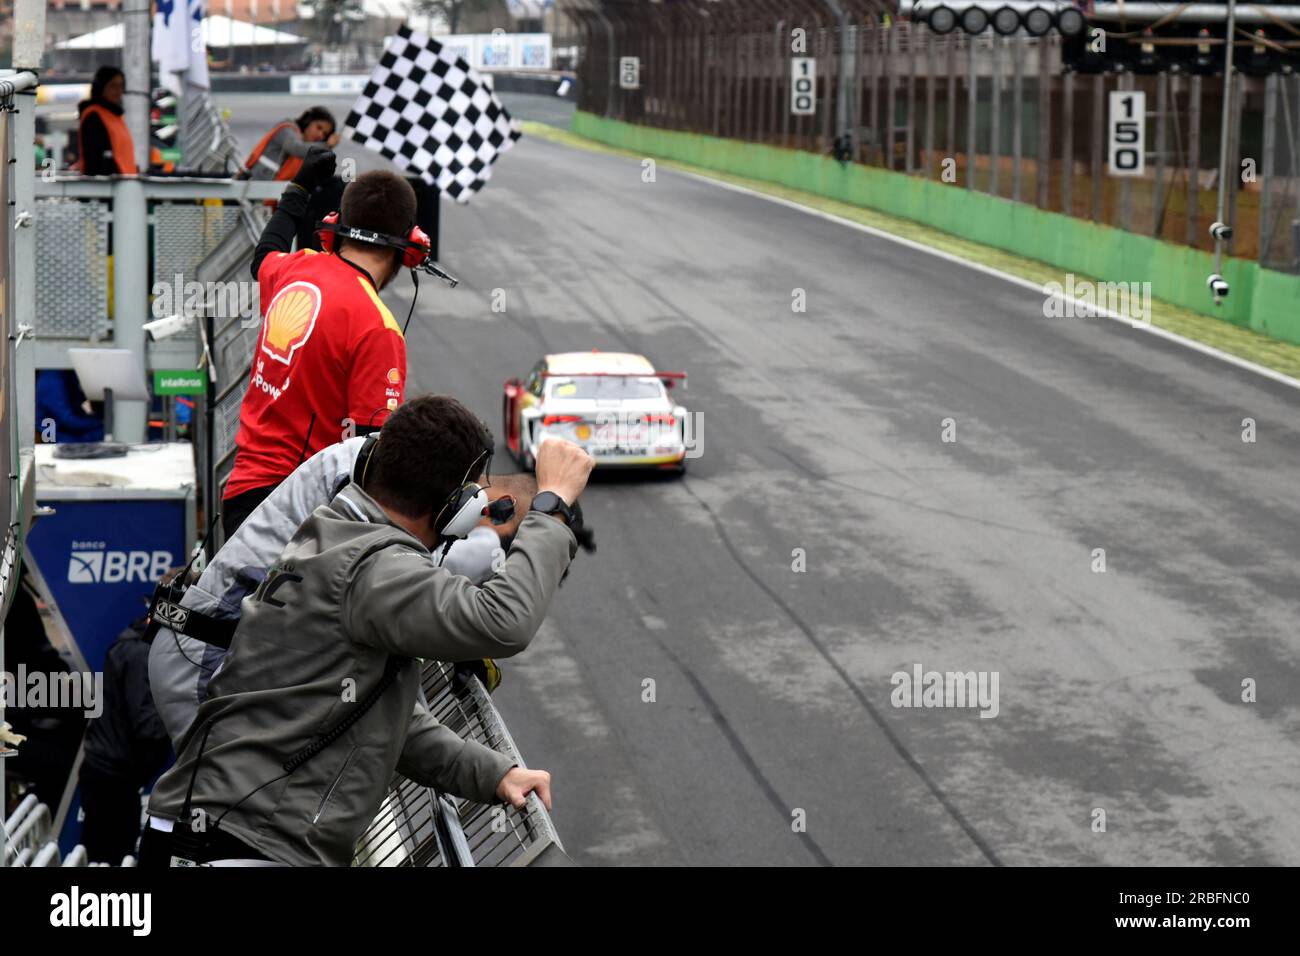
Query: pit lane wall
column 1263, row 300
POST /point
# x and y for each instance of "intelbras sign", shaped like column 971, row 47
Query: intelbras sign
column 501, row 51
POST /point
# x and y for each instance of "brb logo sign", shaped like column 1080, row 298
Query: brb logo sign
column 91, row 562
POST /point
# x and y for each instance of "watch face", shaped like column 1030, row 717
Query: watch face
column 548, row 502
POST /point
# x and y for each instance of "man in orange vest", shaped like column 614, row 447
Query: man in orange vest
column 104, row 142
column 279, row 154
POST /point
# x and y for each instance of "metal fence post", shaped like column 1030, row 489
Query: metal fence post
column 909, row 138
column 136, row 66
column 1044, row 124
column 1267, row 166
column 845, row 74
column 1126, row 184
column 972, row 104
column 995, row 119
column 859, row 80
column 775, row 102
column 891, row 90
column 130, row 294
column 929, row 104
column 1193, row 159
column 1231, row 171
column 1162, row 109
column 877, row 66
column 832, row 95
column 1098, row 142
column 612, row 63
column 734, row 125
column 1227, row 130
column 1067, row 144
column 950, row 103
column 1017, row 42
column 23, row 280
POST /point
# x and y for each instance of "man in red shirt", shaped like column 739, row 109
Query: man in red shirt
column 331, row 360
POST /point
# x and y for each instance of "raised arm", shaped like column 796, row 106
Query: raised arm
column 412, row 608
column 279, row 234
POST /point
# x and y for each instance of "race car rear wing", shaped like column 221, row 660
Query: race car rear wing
column 668, row 378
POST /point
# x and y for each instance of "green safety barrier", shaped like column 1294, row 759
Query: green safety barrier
column 1263, row 300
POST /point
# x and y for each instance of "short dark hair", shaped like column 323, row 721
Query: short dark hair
column 381, row 201
column 314, row 113
column 424, row 450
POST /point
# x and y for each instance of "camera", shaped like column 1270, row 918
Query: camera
column 1221, row 231
column 1218, row 285
column 165, row 328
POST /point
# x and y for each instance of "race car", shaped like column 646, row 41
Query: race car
column 613, row 404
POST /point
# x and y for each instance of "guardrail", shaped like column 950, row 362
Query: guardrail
column 419, row 827
column 17, row 292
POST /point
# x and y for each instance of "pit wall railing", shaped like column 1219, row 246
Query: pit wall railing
column 415, row 827
column 17, row 291
column 418, row 826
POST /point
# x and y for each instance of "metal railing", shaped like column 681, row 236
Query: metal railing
column 28, row 830
column 17, row 296
column 419, row 827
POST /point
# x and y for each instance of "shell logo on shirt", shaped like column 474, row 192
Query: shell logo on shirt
column 290, row 320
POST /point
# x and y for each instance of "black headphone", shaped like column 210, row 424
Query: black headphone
column 461, row 511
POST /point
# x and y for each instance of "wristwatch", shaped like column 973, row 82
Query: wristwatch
column 549, row 503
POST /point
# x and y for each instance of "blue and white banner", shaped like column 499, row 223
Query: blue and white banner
column 179, row 40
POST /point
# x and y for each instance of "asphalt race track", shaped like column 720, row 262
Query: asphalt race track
column 822, row 431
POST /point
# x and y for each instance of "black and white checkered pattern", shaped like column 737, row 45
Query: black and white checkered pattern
column 431, row 114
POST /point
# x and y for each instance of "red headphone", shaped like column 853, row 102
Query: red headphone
column 415, row 247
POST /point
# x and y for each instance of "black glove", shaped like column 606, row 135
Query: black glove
column 317, row 168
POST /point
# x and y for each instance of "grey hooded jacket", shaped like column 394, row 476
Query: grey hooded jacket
column 181, row 667
column 351, row 591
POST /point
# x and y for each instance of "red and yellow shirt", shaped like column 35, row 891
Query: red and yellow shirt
column 330, row 359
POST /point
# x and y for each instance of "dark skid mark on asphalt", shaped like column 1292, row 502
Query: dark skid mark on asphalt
column 899, row 747
column 733, row 739
column 738, row 746
column 973, row 519
column 533, row 327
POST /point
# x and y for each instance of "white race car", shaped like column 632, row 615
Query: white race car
column 613, row 404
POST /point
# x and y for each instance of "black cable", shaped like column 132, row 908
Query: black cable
column 415, row 280
column 183, row 577
column 306, row 442
column 391, row 667
column 199, row 664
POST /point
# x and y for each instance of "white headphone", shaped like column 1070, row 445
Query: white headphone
column 464, row 507
column 470, row 506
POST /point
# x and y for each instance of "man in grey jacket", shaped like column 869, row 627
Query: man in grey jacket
column 316, row 704
column 181, row 663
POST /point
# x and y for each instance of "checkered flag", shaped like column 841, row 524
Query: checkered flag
column 430, row 113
